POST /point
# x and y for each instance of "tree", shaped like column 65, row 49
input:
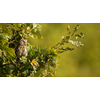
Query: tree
column 40, row 62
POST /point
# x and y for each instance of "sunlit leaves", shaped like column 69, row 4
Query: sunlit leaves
column 23, row 59
column 75, row 29
column 3, row 40
column 61, row 50
column 41, row 59
column 81, row 35
column 68, row 29
column 66, row 40
column 36, row 31
column 34, row 64
column 7, row 31
column 76, row 43
column 23, row 29
column 52, row 51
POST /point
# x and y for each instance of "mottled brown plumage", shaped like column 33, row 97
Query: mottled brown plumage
column 21, row 50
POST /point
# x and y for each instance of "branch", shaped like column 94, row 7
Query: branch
column 65, row 39
column 8, row 64
column 12, row 38
column 13, row 35
column 11, row 41
column 76, row 28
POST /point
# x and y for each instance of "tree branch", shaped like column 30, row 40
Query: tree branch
column 9, row 64
column 12, row 38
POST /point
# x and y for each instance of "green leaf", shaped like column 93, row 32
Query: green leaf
column 36, row 31
column 67, row 37
column 23, row 59
column 7, row 31
column 29, row 47
column 8, row 51
column 81, row 35
column 3, row 40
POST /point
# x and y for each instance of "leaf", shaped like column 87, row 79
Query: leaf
column 76, row 28
column 76, row 43
column 23, row 59
column 34, row 64
column 81, row 35
column 67, row 37
column 14, row 26
column 29, row 47
column 7, row 31
column 36, row 31
column 8, row 51
column 37, row 27
column 3, row 40
column 61, row 50
column 68, row 29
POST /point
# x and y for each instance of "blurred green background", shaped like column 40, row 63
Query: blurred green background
column 81, row 62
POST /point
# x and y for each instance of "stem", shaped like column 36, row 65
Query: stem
column 8, row 64
column 12, row 38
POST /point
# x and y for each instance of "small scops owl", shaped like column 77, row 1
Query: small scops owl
column 21, row 50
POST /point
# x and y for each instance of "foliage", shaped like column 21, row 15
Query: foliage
column 40, row 61
column 66, row 40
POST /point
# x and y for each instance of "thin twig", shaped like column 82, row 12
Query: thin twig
column 12, row 41
column 12, row 38
column 9, row 64
column 13, row 35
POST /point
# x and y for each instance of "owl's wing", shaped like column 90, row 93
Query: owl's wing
column 18, row 51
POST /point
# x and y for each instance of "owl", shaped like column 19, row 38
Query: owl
column 21, row 50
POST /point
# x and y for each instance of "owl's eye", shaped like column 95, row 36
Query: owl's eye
column 24, row 41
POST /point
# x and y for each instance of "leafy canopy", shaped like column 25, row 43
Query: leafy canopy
column 40, row 62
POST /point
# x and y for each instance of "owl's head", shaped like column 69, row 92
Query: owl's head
column 22, row 42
